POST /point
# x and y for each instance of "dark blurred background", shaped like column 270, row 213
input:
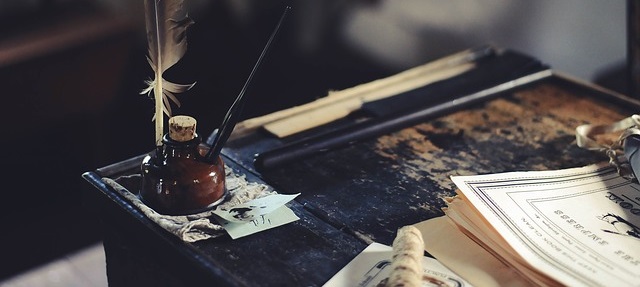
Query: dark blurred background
column 71, row 72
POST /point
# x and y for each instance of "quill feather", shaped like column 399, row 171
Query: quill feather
column 166, row 25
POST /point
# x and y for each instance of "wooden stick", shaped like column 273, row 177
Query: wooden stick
column 344, row 103
column 228, row 124
column 330, row 140
column 420, row 76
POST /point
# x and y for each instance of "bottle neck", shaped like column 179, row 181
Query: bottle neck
column 177, row 149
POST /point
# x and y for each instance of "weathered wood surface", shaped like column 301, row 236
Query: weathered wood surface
column 357, row 194
column 306, row 252
column 372, row 188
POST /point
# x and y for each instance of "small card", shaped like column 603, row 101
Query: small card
column 278, row 217
column 255, row 208
column 257, row 215
column 371, row 267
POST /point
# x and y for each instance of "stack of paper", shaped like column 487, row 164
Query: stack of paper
column 573, row 227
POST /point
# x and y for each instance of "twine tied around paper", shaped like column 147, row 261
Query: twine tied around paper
column 586, row 138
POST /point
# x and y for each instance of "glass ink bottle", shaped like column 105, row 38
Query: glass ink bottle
column 176, row 180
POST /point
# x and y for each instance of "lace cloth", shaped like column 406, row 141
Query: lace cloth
column 193, row 227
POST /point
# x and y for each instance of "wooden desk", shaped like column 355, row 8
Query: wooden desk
column 358, row 194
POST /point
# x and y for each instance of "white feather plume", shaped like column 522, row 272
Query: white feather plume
column 166, row 24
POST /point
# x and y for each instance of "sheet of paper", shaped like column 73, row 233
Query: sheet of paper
column 278, row 217
column 580, row 226
column 452, row 248
column 371, row 266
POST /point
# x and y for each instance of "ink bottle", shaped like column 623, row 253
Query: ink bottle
column 176, row 180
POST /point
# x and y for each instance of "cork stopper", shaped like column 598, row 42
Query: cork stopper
column 182, row 128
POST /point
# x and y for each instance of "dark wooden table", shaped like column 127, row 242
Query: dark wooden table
column 357, row 194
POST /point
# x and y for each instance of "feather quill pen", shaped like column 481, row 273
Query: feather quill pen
column 166, row 26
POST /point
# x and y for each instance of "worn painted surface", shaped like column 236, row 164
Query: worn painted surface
column 358, row 194
column 139, row 252
column 532, row 130
column 372, row 188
